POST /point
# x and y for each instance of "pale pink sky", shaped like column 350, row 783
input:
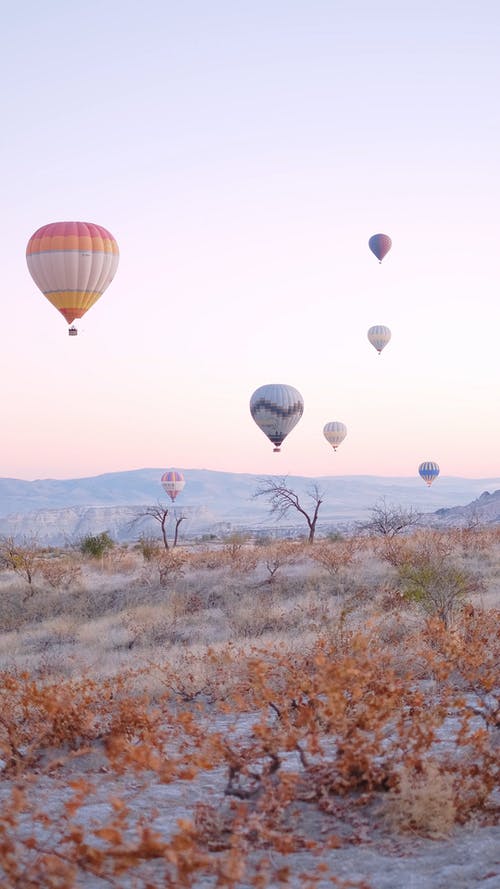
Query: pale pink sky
column 242, row 156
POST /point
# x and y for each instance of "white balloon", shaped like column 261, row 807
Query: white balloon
column 335, row 432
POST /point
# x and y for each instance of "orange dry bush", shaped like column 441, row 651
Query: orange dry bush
column 206, row 679
column 329, row 728
column 36, row 717
column 468, row 659
column 354, row 723
column 416, row 549
column 346, row 704
column 336, row 555
column 473, row 539
column 40, row 717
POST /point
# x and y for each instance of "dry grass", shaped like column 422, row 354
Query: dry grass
column 423, row 802
column 237, row 593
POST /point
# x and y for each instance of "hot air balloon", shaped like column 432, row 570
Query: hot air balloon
column 379, row 336
column 428, row 471
column 335, row 433
column 173, row 483
column 72, row 263
column 276, row 409
column 380, row 245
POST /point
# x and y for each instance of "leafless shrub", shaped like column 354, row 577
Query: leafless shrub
column 212, row 558
column 257, row 615
column 389, row 520
column 392, row 598
column 336, row 556
column 61, row 572
column 170, row 566
column 239, row 554
column 393, row 550
column 234, row 544
column 119, row 560
column 277, row 556
column 422, row 546
column 22, row 558
column 148, row 626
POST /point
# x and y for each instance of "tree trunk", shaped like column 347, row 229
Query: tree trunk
column 177, row 525
column 312, row 524
column 164, row 530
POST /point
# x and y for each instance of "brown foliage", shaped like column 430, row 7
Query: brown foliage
column 334, row 727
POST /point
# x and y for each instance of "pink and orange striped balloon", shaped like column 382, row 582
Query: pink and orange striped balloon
column 72, row 263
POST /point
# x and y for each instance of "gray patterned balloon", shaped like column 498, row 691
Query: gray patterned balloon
column 276, row 408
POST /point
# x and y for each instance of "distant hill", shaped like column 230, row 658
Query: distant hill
column 60, row 510
column 485, row 510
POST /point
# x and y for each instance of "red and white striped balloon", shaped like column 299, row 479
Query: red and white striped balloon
column 173, row 483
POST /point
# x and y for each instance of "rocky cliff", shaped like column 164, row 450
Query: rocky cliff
column 485, row 510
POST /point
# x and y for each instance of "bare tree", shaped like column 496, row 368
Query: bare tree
column 387, row 520
column 282, row 499
column 23, row 558
column 159, row 512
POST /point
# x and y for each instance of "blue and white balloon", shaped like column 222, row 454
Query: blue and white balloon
column 428, row 471
column 379, row 336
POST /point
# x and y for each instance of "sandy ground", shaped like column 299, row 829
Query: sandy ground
column 370, row 855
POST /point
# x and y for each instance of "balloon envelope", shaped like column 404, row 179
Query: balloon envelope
column 380, row 245
column 72, row 263
column 428, row 471
column 173, row 483
column 335, row 433
column 276, row 408
column 379, row 336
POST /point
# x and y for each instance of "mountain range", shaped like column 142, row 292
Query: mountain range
column 58, row 511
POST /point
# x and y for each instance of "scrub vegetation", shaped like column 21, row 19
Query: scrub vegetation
column 242, row 714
